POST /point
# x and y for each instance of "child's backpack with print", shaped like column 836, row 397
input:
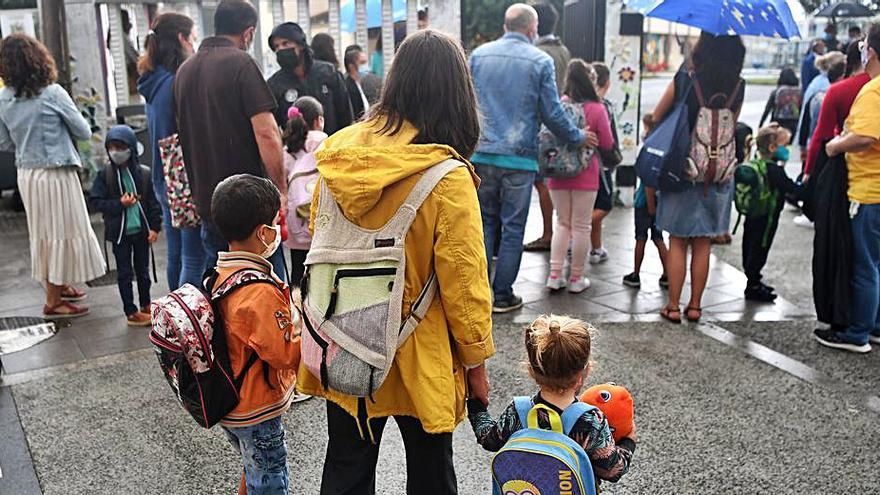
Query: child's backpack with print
column 536, row 461
column 352, row 293
column 558, row 159
column 787, row 101
column 712, row 158
column 190, row 342
column 753, row 196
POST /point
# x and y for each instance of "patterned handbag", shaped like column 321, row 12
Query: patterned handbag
column 180, row 198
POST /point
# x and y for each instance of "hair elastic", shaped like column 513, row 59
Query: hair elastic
column 293, row 112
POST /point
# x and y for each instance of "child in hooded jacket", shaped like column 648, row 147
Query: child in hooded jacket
column 123, row 193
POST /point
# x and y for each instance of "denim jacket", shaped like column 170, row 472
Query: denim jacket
column 516, row 91
column 42, row 130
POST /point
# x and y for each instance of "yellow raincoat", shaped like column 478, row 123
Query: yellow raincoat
column 370, row 175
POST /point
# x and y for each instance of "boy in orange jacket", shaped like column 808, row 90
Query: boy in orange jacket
column 258, row 318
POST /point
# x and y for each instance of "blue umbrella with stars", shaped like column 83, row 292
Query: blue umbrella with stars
column 765, row 18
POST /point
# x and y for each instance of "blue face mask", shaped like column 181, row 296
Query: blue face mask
column 782, row 154
column 363, row 69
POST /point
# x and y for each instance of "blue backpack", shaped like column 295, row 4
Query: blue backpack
column 536, row 461
column 661, row 161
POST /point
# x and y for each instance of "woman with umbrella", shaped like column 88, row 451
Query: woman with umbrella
column 697, row 213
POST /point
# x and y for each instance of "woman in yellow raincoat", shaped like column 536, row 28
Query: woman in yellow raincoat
column 427, row 114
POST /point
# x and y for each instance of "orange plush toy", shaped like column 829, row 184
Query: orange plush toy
column 616, row 403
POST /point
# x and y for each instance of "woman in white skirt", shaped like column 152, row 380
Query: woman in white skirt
column 41, row 123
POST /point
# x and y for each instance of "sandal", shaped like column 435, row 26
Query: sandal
column 537, row 245
column 70, row 293
column 687, row 313
column 64, row 310
column 671, row 314
column 722, row 239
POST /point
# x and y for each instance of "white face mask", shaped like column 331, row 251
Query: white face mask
column 119, row 157
column 271, row 248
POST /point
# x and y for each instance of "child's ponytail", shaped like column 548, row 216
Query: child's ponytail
column 559, row 350
column 301, row 118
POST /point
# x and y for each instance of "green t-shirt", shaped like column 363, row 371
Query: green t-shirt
column 132, row 213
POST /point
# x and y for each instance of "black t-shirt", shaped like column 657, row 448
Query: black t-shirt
column 324, row 83
column 683, row 79
column 216, row 93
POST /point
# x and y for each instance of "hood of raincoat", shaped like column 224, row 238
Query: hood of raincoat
column 359, row 162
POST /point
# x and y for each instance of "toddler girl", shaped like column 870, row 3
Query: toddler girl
column 302, row 136
column 559, row 355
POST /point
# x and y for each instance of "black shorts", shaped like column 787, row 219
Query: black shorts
column 644, row 224
column 605, row 196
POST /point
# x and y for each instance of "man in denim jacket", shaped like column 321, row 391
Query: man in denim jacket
column 516, row 92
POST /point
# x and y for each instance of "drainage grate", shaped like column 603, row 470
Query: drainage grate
column 104, row 280
column 20, row 332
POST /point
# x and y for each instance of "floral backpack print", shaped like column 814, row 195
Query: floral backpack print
column 712, row 157
column 180, row 200
column 190, row 342
column 558, row 159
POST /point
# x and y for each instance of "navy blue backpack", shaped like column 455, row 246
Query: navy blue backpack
column 662, row 159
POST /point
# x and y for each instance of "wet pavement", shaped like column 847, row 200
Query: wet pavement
column 744, row 402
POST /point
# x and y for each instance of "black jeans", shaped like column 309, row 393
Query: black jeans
column 133, row 261
column 754, row 251
column 350, row 466
column 297, row 266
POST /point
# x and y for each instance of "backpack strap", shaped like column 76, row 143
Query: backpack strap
column 419, row 308
column 428, row 182
column 730, row 99
column 573, row 413
column 411, row 205
column 698, row 91
column 523, row 405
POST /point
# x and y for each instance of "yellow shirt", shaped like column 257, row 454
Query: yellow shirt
column 864, row 166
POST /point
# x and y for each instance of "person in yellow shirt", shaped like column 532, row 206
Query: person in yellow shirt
column 861, row 143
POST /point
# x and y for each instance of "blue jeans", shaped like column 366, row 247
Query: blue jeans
column 186, row 256
column 505, row 196
column 133, row 262
column 264, row 456
column 864, row 305
column 214, row 243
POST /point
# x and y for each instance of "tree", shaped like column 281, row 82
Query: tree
column 483, row 20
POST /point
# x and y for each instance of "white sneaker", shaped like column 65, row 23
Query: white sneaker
column 555, row 283
column 576, row 286
column 598, row 256
column 803, row 221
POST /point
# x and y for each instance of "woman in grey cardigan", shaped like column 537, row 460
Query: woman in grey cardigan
column 41, row 123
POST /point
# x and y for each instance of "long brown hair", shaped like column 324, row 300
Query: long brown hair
column 718, row 63
column 26, row 65
column 162, row 44
column 580, row 82
column 430, row 86
column 559, row 350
